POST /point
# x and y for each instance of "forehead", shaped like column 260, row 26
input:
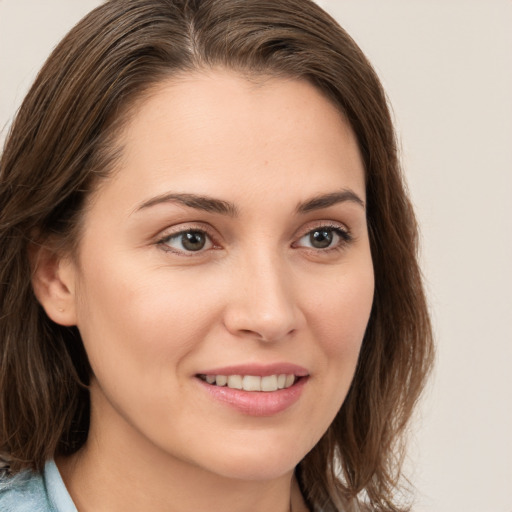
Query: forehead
column 208, row 130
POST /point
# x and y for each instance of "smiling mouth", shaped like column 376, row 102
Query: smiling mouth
column 268, row 383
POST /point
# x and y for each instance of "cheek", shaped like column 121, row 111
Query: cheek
column 341, row 312
column 145, row 317
column 138, row 335
column 338, row 317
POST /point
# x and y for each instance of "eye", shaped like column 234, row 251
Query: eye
column 192, row 240
column 324, row 237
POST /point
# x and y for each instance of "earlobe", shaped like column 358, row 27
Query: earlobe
column 53, row 281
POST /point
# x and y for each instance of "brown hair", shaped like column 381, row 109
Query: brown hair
column 63, row 141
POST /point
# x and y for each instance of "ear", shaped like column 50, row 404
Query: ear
column 53, row 280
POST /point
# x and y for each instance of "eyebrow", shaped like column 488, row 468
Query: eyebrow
column 199, row 202
column 326, row 200
column 212, row 205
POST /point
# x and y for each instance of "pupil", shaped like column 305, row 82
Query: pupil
column 193, row 241
column 321, row 239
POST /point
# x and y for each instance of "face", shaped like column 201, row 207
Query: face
column 230, row 250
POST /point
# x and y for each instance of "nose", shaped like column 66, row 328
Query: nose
column 263, row 300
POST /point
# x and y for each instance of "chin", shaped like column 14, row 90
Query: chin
column 259, row 461
column 255, row 470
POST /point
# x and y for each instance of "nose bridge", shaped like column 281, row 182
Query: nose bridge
column 263, row 303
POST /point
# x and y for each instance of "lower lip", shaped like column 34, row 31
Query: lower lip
column 257, row 403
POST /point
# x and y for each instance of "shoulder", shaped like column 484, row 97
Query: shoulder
column 24, row 492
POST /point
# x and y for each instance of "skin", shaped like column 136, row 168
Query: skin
column 153, row 315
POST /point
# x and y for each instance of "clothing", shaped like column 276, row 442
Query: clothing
column 35, row 492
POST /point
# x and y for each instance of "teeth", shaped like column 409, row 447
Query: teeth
column 269, row 383
column 234, row 381
column 251, row 382
column 220, row 380
column 290, row 379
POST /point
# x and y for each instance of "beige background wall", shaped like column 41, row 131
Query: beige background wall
column 447, row 66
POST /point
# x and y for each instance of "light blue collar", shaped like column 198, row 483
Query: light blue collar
column 58, row 495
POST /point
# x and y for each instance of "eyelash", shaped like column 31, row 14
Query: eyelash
column 164, row 241
column 344, row 235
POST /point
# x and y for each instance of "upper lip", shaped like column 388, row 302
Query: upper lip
column 261, row 370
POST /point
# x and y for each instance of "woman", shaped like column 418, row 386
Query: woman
column 210, row 296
